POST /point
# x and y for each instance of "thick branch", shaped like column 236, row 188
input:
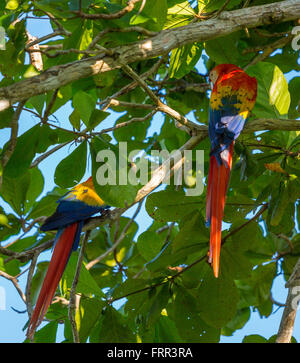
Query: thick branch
column 259, row 124
column 286, row 327
column 158, row 176
column 227, row 23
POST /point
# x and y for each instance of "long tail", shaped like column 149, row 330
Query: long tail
column 218, row 180
column 64, row 241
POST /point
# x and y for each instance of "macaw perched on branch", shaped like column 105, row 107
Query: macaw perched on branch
column 232, row 98
column 74, row 208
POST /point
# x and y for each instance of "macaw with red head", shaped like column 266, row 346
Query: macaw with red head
column 232, row 98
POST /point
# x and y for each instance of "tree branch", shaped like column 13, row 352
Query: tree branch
column 228, row 22
column 286, row 327
column 72, row 300
column 118, row 240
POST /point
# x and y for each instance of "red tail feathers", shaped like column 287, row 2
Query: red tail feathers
column 56, row 268
column 218, row 180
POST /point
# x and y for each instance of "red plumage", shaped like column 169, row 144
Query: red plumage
column 61, row 253
column 73, row 209
column 232, row 98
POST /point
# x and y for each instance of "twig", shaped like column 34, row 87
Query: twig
column 46, row 37
column 137, row 29
column 25, row 255
column 54, row 19
column 106, row 102
column 141, row 82
column 14, row 280
column 64, row 51
column 28, row 284
column 257, row 215
column 202, row 258
column 126, row 123
column 48, row 153
column 114, row 102
column 35, row 58
column 169, row 227
column 13, row 134
column 222, row 8
column 50, row 105
column 183, row 121
column 117, row 242
column 129, row 7
column 268, row 50
column 72, row 300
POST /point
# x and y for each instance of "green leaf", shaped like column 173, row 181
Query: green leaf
column 85, row 104
column 86, row 284
column 206, row 6
column 273, row 97
column 281, row 202
column 37, row 280
column 6, row 117
column 97, row 116
column 227, row 49
column 149, row 245
column 154, row 13
column 47, row 334
column 36, row 187
column 192, row 233
column 254, row 338
column 36, row 102
column 238, row 322
column 47, row 205
column 86, row 35
column 191, row 327
column 87, row 315
column 14, row 191
column 184, row 59
column 179, row 13
column 4, row 220
column 294, row 88
column 110, row 169
column 169, row 205
column 74, row 119
column 20, row 160
column 113, row 329
column 215, row 308
column 12, row 4
column 14, row 226
column 261, row 281
column 63, row 95
column 166, row 331
column 287, row 59
column 279, row 95
column 71, row 169
column 158, row 303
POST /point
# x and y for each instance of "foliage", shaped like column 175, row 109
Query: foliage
column 157, row 286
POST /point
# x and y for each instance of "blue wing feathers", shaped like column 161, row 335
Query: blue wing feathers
column 69, row 212
column 225, row 125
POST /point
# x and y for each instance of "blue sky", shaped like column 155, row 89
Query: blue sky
column 11, row 322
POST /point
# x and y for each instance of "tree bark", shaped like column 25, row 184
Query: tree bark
column 227, row 22
column 286, row 327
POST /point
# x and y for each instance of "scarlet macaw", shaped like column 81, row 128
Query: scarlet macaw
column 74, row 208
column 232, row 98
